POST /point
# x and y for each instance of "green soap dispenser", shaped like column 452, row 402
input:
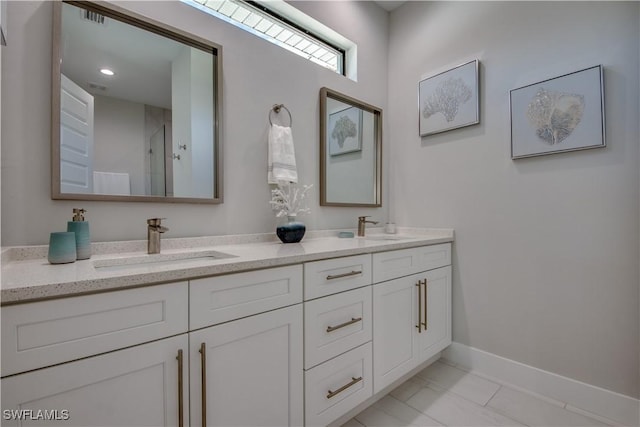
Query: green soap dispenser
column 83, row 238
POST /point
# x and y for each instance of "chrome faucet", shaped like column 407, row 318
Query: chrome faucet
column 362, row 220
column 154, row 229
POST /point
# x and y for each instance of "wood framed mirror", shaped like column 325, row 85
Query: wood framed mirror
column 350, row 151
column 135, row 108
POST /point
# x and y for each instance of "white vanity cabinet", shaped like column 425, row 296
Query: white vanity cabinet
column 302, row 344
column 247, row 371
column 412, row 314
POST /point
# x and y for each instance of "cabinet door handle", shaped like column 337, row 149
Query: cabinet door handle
column 342, row 325
column 340, row 276
column 419, row 325
column 180, row 395
column 203, row 379
column 426, row 304
column 353, row 381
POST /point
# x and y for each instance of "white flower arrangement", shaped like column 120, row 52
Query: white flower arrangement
column 288, row 199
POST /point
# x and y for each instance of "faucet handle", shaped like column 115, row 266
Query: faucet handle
column 363, row 218
column 155, row 222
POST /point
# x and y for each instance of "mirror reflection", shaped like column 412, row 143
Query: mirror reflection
column 351, row 139
column 137, row 109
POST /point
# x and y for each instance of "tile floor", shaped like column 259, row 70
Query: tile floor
column 446, row 395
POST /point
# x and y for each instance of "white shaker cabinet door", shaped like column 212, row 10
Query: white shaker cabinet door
column 437, row 334
column 412, row 318
column 395, row 316
column 138, row 386
column 248, row 372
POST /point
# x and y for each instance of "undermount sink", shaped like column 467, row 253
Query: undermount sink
column 181, row 259
column 386, row 237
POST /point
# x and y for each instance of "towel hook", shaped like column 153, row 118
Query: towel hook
column 276, row 108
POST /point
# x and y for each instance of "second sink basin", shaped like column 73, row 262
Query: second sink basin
column 170, row 259
column 386, row 237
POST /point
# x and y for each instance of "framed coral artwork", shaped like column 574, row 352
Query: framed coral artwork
column 345, row 131
column 449, row 100
column 565, row 113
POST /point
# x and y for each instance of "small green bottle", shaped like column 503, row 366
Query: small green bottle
column 83, row 238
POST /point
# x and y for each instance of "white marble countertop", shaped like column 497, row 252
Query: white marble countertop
column 27, row 275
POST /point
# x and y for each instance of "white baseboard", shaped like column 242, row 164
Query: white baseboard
column 618, row 407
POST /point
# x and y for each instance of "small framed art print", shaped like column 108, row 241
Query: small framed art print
column 449, row 100
column 345, row 131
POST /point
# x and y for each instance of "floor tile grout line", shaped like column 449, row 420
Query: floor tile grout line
column 424, row 413
column 412, row 394
column 444, row 387
column 539, row 396
column 415, row 409
column 493, row 395
column 446, row 391
column 535, row 396
column 597, row 417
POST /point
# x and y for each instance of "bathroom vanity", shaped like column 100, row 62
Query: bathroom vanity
column 263, row 334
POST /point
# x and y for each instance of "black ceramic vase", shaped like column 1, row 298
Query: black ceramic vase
column 292, row 231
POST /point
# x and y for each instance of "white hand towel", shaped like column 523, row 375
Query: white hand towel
column 113, row 183
column 282, row 156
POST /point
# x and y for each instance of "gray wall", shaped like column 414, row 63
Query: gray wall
column 547, row 248
column 119, row 139
column 257, row 74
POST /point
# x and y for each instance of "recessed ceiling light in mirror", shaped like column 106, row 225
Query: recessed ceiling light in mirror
column 107, row 72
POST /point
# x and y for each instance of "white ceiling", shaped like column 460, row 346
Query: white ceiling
column 141, row 59
column 390, row 5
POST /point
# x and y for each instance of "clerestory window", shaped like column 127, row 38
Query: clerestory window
column 270, row 25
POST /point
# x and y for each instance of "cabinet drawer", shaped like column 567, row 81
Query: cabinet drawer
column 336, row 275
column 337, row 386
column 336, row 324
column 404, row 262
column 219, row 299
column 40, row 334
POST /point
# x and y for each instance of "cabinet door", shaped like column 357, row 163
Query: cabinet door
column 395, row 316
column 437, row 335
column 398, row 307
column 249, row 372
column 137, row 386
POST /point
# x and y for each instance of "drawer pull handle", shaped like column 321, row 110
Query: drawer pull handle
column 354, row 380
column 426, row 305
column 340, row 276
column 342, row 325
column 419, row 325
column 203, row 379
column 180, row 386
